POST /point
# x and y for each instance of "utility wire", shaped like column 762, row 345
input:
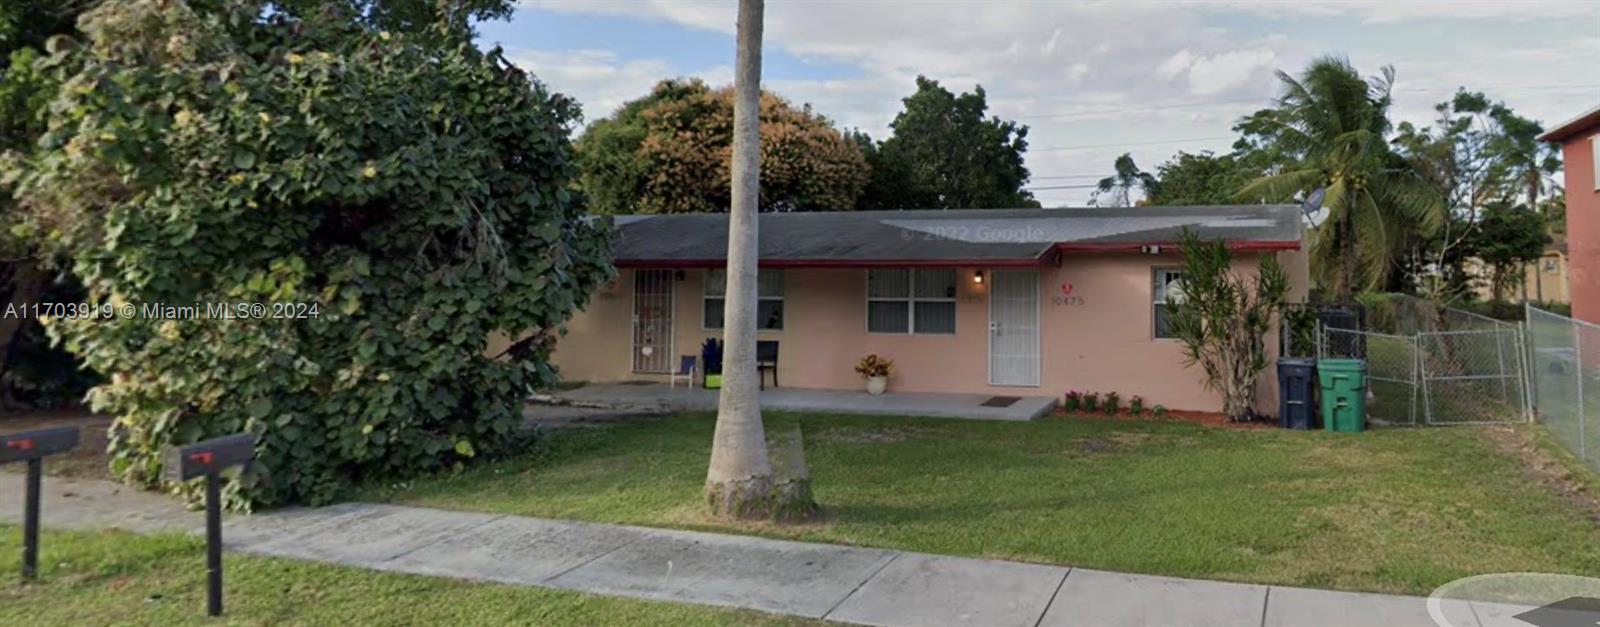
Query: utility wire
column 1157, row 142
column 1076, row 114
column 1267, row 99
column 1038, row 189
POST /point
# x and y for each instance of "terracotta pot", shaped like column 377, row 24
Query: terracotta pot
column 876, row 385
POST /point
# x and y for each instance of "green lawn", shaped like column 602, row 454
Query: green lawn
column 117, row 578
column 1398, row 510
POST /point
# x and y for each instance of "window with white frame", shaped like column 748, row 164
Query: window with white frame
column 1594, row 160
column 904, row 300
column 769, row 299
column 1166, row 291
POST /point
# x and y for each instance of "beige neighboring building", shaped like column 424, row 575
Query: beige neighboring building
column 1543, row 281
column 999, row 302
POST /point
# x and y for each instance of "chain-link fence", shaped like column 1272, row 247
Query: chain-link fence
column 1473, row 375
column 1405, row 314
column 1564, row 355
column 1393, row 380
column 1435, row 365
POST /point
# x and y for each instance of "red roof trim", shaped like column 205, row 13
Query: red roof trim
column 1171, row 247
column 1565, row 130
column 1042, row 259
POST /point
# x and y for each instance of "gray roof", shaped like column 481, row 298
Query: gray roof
column 947, row 236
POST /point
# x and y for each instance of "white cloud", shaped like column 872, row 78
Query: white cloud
column 1177, row 64
column 1049, row 47
column 1222, row 72
column 1394, row 11
column 1099, row 73
column 599, row 79
column 1077, row 71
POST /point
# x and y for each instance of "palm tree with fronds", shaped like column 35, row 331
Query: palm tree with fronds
column 1119, row 186
column 1335, row 125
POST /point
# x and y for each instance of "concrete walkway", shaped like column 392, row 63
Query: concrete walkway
column 855, row 585
column 659, row 396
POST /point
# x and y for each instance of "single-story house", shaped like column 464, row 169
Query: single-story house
column 1001, row 302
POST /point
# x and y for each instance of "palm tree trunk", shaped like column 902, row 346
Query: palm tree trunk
column 739, row 481
column 1344, row 283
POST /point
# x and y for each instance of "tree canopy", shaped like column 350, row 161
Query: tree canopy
column 1204, row 179
column 389, row 205
column 1508, row 237
column 1117, row 190
column 1477, row 155
column 1330, row 129
column 671, row 152
column 944, row 153
column 25, row 26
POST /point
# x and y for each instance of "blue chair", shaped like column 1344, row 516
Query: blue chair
column 686, row 369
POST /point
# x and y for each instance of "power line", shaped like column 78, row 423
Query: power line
column 1070, row 176
column 1040, row 189
column 1119, row 144
column 1212, row 103
column 1074, row 114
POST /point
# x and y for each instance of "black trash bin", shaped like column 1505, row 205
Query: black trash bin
column 1350, row 317
column 1297, row 382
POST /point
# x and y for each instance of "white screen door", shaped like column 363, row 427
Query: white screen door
column 1014, row 327
column 652, row 320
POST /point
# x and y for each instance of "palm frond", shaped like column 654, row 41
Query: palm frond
column 1280, row 186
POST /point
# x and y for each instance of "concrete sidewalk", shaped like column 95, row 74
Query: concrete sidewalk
column 856, row 585
column 643, row 396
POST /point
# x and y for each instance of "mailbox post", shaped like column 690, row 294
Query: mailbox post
column 32, row 447
column 208, row 459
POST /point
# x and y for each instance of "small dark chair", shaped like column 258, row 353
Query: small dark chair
column 767, row 359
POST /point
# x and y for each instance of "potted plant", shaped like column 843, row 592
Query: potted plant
column 1113, row 400
column 1136, row 405
column 711, row 363
column 1091, row 401
column 876, row 371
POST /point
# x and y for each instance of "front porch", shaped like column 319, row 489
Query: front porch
column 650, row 396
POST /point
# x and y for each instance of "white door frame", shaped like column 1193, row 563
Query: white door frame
column 669, row 278
column 1038, row 318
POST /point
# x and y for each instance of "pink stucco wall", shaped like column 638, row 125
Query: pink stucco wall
column 1583, row 224
column 1100, row 341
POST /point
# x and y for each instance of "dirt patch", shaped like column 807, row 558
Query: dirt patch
column 1095, row 445
column 695, row 518
column 87, row 461
column 1106, row 444
column 1543, row 468
column 884, row 435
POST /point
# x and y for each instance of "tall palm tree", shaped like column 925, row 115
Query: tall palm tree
column 1335, row 124
column 1120, row 185
column 739, row 481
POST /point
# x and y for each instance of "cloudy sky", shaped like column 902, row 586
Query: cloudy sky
column 1090, row 79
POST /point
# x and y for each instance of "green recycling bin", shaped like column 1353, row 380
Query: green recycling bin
column 1344, row 394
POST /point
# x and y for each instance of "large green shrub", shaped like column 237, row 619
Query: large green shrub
column 1223, row 318
column 416, row 196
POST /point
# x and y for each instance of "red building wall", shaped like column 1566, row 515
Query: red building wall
column 1583, row 223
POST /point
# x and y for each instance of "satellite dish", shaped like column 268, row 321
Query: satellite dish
column 1313, row 203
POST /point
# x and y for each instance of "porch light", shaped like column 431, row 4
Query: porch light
column 977, row 277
